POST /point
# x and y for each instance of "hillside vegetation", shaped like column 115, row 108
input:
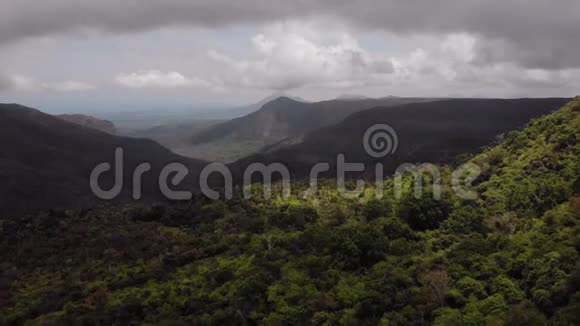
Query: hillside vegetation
column 511, row 257
column 45, row 162
column 435, row 132
column 277, row 120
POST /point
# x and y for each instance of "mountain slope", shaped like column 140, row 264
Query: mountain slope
column 510, row 257
column 534, row 169
column 46, row 162
column 176, row 136
column 276, row 123
column 427, row 132
column 286, row 117
column 90, row 122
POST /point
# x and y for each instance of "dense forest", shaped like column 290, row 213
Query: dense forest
column 510, row 257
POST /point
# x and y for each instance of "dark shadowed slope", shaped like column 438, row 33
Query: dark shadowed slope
column 427, row 132
column 278, row 123
column 286, row 117
column 46, row 162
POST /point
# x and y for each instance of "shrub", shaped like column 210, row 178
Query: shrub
column 376, row 208
column 424, row 213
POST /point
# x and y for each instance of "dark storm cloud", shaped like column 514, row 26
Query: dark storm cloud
column 533, row 33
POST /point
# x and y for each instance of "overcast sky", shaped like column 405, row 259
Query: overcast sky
column 111, row 55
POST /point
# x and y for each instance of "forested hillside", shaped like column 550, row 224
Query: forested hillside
column 45, row 162
column 278, row 120
column 435, row 132
column 511, row 257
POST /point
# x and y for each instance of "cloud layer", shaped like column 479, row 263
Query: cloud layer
column 5, row 83
column 314, row 49
column 68, row 86
column 534, row 34
column 298, row 56
column 24, row 83
column 158, row 79
column 289, row 57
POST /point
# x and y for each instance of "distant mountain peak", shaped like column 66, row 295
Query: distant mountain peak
column 428, row 131
column 282, row 98
column 352, row 97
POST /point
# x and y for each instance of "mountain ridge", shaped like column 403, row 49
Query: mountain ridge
column 507, row 257
column 283, row 118
column 46, row 161
column 432, row 132
column 90, row 122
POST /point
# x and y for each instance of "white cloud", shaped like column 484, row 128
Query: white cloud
column 289, row 56
column 20, row 82
column 308, row 57
column 539, row 33
column 453, row 67
column 24, row 83
column 158, row 79
column 5, row 83
column 68, row 86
